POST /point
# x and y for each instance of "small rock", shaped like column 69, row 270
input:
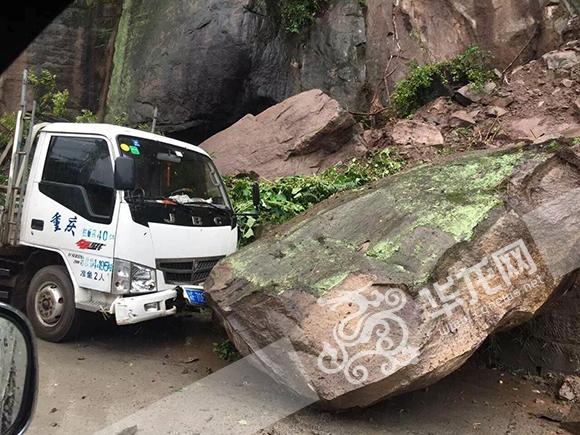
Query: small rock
column 495, row 111
column 547, row 138
column 567, row 83
column 503, row 101
column 517, row 69
column 561, row 59
column 461, row 119
column 53, row 410
column 128, row 431
column 570, row 389
column 577, row 104
column 469, row 95
column 415, row 132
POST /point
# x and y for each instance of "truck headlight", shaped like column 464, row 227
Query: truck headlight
column 142, row 279
column 133, row 278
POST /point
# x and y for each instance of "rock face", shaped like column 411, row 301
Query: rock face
column 207, row 63
column 236, row 58
column 301, row 135
column 231, row 63
column 390, row 289
column 78, row 47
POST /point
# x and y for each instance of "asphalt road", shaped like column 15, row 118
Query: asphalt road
column 114, row 372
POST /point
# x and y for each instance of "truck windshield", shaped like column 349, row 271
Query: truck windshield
column 168, row 172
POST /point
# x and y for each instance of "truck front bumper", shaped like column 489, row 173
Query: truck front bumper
column 141, row 308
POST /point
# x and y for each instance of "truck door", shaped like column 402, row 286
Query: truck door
column 70, row 206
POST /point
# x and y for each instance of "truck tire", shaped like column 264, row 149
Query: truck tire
column 50, row 305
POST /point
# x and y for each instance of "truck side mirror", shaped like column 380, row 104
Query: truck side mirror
column 18, row 371
column 125, row 174
column 256, row 196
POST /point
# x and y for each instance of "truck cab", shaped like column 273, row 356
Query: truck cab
column 118, row 221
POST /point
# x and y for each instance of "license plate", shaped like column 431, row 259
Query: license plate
column 196, row 296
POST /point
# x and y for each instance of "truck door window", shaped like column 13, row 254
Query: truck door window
column 78, row 174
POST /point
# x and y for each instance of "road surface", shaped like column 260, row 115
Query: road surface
column 113, row 372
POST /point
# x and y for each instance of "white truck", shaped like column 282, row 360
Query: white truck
column 108, row 219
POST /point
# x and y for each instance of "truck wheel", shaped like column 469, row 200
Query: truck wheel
column 50, row 305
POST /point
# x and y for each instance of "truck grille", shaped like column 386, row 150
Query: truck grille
column 187, row 270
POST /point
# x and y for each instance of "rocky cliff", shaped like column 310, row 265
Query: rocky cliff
column 207, row 63
column 78, row 48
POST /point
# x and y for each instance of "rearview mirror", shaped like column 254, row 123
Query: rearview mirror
column 18, row 371
column 125, row 174
column 166, row 157
column 256, row 199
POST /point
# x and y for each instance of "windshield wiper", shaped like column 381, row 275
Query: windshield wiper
column 187, row 205
column 208, row 204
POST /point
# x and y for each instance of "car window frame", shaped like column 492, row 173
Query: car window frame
column 90, row 215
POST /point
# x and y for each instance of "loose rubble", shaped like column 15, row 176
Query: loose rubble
column 536, row 103
column 570, row 389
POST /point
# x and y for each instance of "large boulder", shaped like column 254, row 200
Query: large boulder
column 301, row 135
column 389, row 289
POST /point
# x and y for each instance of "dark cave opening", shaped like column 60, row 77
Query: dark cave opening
column 207, row 126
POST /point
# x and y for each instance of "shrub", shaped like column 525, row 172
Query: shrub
column 50, row 100
column 289, row 196
column 226, row 351
column 296, row 15
column 86, row 116
column 427, row 82
column 7, row 127
column 44, row 86
column 59, row 103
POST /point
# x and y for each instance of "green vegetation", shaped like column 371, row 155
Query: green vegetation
column 289, row 196
column 460, row 196
column 51, row 101
column 296, row 15
column 86, row 116
column 226, row 351
column 425, row 83
column 400, row 227
column 7, row 127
